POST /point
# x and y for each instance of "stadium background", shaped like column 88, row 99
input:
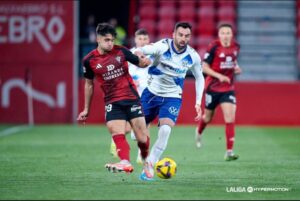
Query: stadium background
column 42, row 44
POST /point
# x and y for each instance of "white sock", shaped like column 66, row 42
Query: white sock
column 161, row 144
column 229, row 152
column 125, row 162
column 139, row 157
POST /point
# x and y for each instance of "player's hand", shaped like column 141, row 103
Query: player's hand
column 237, row 70
column 223, row 78
column 83, row 115
column 139, row 54
column 144, row 61
column 199, row 112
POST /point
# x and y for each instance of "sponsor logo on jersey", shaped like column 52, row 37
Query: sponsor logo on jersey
column 176, row 70
column 112, row 73
column 98, row 66
column 228, row 63
column 228, row 58
column 110, row 67
column 173, row 110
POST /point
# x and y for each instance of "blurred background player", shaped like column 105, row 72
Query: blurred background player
column 139, row 76
column 108, row 64
column 121, row 32
column 220, row 65
column 172, row 58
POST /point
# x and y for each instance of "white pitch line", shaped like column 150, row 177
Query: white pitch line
column 13, row 130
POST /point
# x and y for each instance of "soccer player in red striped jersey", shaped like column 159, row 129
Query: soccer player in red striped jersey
column 220, row 65
column 108, row 65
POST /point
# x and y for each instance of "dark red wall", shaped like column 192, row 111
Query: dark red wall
column 258, row 103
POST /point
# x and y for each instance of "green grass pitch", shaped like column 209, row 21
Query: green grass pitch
column 67, row 162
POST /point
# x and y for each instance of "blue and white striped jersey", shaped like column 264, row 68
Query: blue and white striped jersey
column 169, row 68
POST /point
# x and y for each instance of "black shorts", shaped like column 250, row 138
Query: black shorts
column 123, row 110
column 213, row 99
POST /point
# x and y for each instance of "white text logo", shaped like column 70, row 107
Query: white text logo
column 23, row 29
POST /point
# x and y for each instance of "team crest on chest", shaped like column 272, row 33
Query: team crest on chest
column 222, row 55
column 184, row 63
column 118, row 58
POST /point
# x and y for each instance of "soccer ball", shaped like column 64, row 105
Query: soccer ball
column 166, row 168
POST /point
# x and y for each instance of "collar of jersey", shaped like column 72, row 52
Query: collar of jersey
column 174, row 50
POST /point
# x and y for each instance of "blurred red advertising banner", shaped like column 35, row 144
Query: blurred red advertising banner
column 38, row 58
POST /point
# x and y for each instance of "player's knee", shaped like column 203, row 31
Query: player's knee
column 229, row 119
column 207, row 119
column 110, row 128
column 128, row 130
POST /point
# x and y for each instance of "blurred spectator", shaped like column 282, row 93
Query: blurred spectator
column 121, row 33
column 90, row 29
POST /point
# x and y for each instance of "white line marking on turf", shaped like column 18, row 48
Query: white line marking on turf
column 14, row 130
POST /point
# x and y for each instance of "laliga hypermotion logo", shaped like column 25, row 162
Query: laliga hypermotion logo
column 23, row 29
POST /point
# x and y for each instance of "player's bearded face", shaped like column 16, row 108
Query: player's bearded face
column 225, row 35
column 105, row 43
column 181, row 37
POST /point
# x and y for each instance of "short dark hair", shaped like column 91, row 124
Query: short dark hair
column 183, row 25
column 105, row 28
column 141, row 32
column 225, row 25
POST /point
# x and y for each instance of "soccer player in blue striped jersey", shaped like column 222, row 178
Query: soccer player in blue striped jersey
column 172, row 58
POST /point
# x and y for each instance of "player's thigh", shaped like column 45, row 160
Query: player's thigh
column 150, row 104
column 169, row 111
column 116, row 126
column 228, row 110
column 115, row 117
column 139, row 128
column 228, row 106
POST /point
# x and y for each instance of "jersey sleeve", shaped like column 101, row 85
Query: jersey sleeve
column 130, row 57
column 154, row 48
column 87, row 70
column 210, row 53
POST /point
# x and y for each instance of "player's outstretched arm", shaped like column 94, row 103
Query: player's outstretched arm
column 237, row 69
column 207, row 70
column 199, row 86
column 138, row 60
column 88, row 95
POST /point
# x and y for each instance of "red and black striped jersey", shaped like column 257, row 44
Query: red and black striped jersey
column 111, row 71
column 222, row 60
